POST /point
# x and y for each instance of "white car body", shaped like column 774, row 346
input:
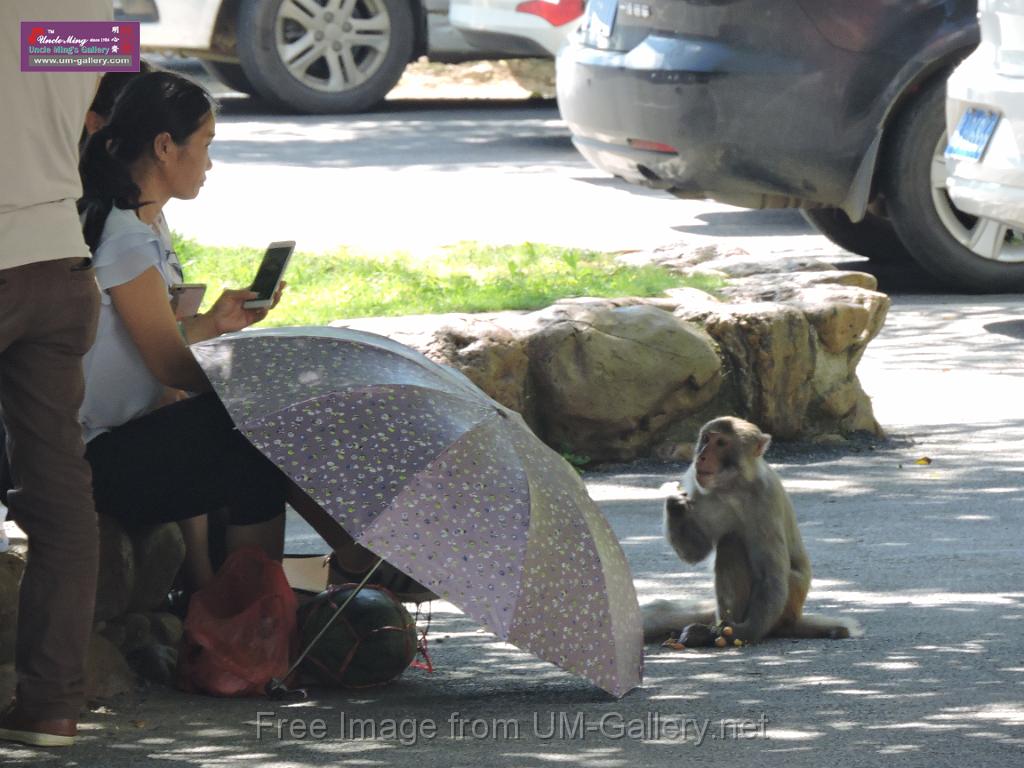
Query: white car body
column 991, row 80
column 188, row 27
column 537, row 28
column 323, row 56
column 184, row 26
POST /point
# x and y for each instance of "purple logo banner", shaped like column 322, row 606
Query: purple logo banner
column 79, row 46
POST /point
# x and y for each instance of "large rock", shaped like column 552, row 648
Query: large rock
column 485, row 351
column 621, row 378
column 770, row 353
column 612, row 379
column 129, row 632
column 491, row 357
column 11, row 568
column 107, row 673
column 116, row 579
column 159, row 553
column 166, row 628
column 8, row 682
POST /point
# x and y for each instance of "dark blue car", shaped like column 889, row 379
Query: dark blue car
column 832, row 106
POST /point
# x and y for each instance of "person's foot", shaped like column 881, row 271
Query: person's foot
column 15, row 726
column 405, row 588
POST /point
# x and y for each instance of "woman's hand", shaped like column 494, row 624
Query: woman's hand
column 228, row 314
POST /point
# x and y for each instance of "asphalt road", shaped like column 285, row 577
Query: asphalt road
column 928, row 558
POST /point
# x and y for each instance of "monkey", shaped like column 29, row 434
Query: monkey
column 731, row 502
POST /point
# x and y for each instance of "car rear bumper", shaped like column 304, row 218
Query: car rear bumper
column 728, row 112
column 993, row 186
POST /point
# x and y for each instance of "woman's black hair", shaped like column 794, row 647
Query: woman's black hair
column 111, row 85
column 151, row 104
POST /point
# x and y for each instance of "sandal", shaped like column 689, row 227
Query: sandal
column 404, row 587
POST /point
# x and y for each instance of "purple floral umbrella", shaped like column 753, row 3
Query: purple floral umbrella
column 425, row 470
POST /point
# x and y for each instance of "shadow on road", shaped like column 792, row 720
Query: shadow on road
column 747, row 223
column 238, row 105
column 518, row 136
column 921, row 557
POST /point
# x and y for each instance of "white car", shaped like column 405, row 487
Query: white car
column 985, row 121
column 528, row 27
column 305, row 55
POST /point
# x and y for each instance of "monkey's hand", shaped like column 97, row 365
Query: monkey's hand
column 677, row 504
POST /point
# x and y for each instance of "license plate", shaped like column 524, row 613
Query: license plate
column 972, row 134
column 601, row 18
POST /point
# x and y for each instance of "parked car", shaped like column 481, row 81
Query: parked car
column 305, row 55
column 984, row 116
column 831, row 106
column 530, row 27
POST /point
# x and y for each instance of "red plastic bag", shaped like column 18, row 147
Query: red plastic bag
column 240, row 628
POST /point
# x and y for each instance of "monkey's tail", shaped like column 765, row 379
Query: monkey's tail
column 815, row 627
column 665, row 617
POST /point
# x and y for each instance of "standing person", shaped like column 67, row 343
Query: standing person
column 48, row 312
column 110, row 87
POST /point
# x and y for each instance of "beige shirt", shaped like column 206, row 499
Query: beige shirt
column 43, row 115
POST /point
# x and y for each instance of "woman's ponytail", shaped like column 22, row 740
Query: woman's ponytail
column 106, row 181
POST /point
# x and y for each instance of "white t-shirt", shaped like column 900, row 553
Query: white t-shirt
column 43, row 117
column 118, row 385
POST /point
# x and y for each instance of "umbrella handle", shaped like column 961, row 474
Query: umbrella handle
column 275, row 688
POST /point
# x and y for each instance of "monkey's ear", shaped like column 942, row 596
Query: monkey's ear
column 762, row 444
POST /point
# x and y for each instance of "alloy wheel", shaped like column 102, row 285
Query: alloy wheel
column 332, row 45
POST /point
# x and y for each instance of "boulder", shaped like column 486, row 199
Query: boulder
column 157, row 663
column 107, row 673
column 8, row 682
column 11, row 568
column 490, row 356
column 128, row 632
column 166, row 628
column 612, row 379
column 116, row 578
column 770, row 354
column 159, row 553
column 485, row 351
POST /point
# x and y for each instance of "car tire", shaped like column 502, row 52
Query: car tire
column 965, row 252
column 231, row 75
column 873, row 236
column 327, row 73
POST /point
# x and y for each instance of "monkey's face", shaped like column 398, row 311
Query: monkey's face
column 728, row 452
column 717, row 454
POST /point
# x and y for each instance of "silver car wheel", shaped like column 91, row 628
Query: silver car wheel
column 335, row 46
column 987, row 238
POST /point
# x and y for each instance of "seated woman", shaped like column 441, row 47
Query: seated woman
column 153, row 462
column 181, row 462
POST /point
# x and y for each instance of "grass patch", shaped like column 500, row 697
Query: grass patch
column 468, row 277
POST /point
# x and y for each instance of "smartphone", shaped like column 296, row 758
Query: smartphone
column 269, row 275
column 186, row 299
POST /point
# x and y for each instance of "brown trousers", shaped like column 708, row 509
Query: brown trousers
column 48, row 313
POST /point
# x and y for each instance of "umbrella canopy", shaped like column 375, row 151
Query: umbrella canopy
column 425, row 470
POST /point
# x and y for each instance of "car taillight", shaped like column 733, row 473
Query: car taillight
column 555, row 12
column 652, row 146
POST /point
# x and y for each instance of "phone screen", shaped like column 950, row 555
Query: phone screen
column 270, row 271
